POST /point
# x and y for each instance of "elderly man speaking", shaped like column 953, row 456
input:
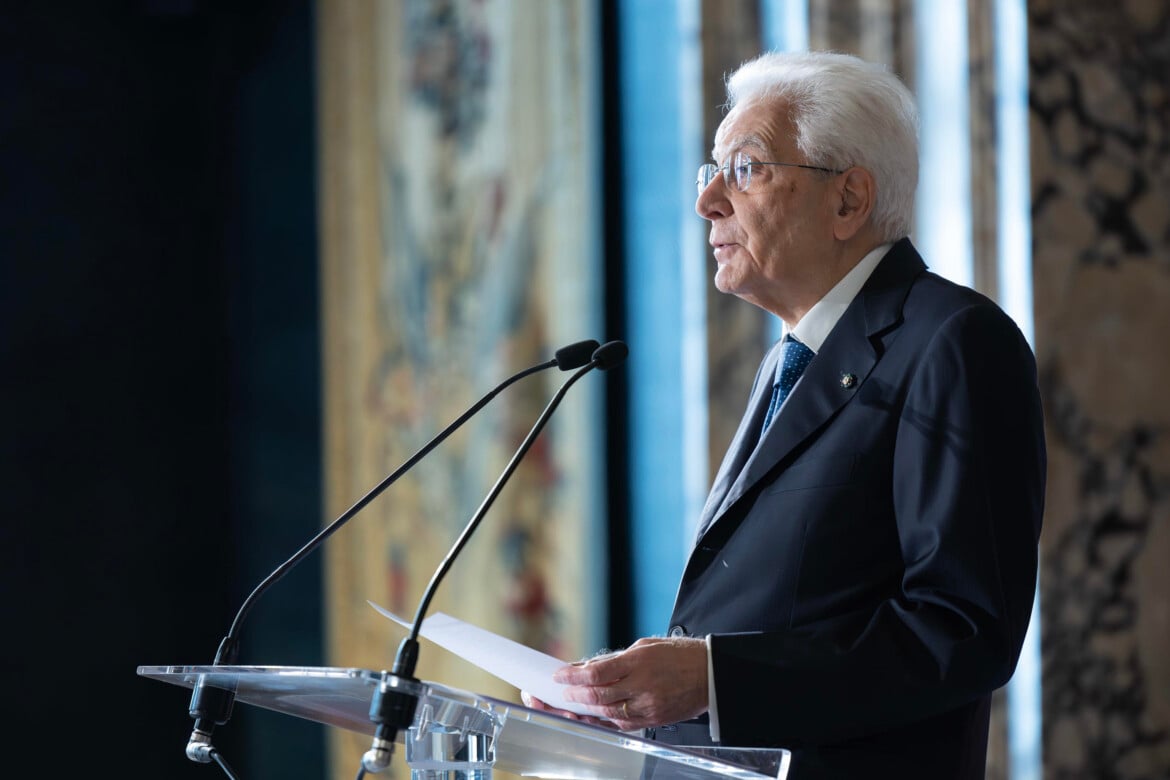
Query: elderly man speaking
column 865, row 565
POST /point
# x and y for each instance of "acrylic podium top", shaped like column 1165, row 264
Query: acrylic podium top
column 524, row 741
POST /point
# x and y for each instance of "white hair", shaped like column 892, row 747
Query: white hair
column 846, row 112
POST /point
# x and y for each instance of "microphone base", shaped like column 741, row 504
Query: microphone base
column 392, row 709
column 378, row 757
column 199, row 747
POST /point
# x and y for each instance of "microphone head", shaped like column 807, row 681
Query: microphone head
column 576, row 355
column 610, row 354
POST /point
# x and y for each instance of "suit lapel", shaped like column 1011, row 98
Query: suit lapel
column 744, row 442
column 852, row 349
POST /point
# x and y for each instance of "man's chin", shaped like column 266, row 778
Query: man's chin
column 723, row 281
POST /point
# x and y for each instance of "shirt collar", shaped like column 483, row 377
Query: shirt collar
column 814, row 326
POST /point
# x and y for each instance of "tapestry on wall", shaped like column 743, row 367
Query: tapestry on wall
column 458, row 202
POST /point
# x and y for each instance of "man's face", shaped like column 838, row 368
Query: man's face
column 773, row 241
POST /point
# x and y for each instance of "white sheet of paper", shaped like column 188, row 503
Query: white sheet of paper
column 516, row 664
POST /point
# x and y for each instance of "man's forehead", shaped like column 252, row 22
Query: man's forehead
column 754, row 125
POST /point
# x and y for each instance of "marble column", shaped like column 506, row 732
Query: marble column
column 1100, row 143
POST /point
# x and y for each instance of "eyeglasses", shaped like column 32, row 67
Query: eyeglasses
column 740, row 167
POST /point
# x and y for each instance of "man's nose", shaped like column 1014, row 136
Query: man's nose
column 712, row 202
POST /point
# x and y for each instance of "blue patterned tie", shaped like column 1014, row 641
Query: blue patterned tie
column 792, row 364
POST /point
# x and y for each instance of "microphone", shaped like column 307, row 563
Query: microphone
column 610, row 354
column 212, row 706
column 394, row 703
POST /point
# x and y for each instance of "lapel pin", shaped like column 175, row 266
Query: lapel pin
column 848, row 381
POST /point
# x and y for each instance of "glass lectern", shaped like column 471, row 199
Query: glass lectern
column 459, row 735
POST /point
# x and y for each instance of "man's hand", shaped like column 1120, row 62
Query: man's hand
column 654, row 681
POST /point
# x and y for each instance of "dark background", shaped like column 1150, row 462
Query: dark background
column 159, row 366
column 160, row 385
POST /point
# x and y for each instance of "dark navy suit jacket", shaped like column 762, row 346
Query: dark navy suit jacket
column 868, row 570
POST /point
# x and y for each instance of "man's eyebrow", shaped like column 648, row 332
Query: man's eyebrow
column 739, row 142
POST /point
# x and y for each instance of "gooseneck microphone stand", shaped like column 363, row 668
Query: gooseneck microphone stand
column 394, row 702
column 211, row 706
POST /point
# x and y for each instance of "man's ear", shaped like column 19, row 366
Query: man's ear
column 856, row 193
